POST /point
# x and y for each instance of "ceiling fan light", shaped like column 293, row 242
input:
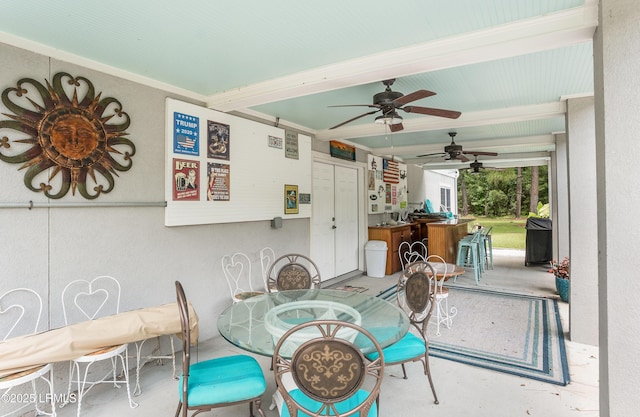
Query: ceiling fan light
column 391, row 118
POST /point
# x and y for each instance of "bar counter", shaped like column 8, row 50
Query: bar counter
column 444, row 237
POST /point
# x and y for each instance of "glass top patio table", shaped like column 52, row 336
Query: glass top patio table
column 243, row 324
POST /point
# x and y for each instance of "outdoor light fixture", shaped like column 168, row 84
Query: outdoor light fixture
column 389, row 118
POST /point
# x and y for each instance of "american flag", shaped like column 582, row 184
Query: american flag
column 186, row 141
column 390, row 171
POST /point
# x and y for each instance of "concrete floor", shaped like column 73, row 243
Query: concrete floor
column 463, row 390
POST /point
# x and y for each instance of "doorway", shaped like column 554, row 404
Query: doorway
column 335, row 219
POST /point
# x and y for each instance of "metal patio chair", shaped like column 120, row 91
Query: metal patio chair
column 20, row 313
column 237, row 271
column 219, row 382
column 443, row 314
column 90, row 300
column 327, row 374
column 293, row 272
column 415, row 294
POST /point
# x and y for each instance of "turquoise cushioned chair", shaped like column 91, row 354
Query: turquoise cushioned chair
column 416, row 295
column 217, row 382
column 327, row 374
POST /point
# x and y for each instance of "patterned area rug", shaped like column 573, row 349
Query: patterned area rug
column 351, row 288
column 517, row 334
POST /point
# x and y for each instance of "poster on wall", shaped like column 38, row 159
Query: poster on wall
column 291, row 145
column 290, row 199
column 185, row 134
column 218, row 137
column 386, row 185
column 218, row 182
column 186, row 174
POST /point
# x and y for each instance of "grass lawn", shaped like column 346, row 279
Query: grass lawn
column 507, row 233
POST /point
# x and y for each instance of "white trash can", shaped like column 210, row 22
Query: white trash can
column 376, row 258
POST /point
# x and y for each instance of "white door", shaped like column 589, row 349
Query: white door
column 334, row 234
column 346, row 213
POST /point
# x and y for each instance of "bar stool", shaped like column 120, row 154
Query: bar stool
column 469, row 255
column 487, row 247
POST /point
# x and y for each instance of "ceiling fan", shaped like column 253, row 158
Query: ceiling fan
column 455, row 151
column 389, row 102
column 475, row 165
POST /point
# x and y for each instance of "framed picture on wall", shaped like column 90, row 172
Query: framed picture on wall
column 290, row 199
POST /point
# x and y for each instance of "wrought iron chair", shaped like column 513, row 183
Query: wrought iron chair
column 20, row 313
column 267, row 257
column 237, row 271
column 411, row 252
column 327, row 374
column 218, row 382
column 443, row 314
column 89, row 300
column 416, row 294
column 293, row 272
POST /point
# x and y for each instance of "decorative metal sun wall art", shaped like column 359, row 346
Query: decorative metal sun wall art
column 74, row 137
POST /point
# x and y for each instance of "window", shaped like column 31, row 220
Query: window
column 445, row 199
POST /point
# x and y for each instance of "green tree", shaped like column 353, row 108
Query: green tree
column 475, row 190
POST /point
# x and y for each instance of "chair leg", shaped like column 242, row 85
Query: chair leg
column 404, row 372
column 124, row 359
column 427, row 372
column 490, row 251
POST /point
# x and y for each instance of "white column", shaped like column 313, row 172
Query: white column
column 560, row 195
column 617, row 105
column 583, row 220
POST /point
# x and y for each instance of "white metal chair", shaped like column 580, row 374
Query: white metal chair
column 20, row 313
column 267, row 258
column 155, row 354
column 237, row 271
column 411, row 252
column 444, row 315
column 89, row 300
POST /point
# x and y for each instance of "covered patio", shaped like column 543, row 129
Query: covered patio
column 486, row 393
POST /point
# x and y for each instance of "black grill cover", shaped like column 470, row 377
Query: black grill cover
column 539, row 241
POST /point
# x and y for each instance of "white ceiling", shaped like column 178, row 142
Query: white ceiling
column 507, row 65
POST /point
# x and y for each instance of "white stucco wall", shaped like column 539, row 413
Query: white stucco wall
column 45, row 248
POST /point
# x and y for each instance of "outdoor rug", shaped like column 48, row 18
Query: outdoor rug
column 517, row 334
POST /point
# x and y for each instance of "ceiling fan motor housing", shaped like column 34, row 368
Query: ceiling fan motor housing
column 386, row 98
column 453, row 149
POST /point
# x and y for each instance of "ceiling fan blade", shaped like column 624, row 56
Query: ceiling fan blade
column 451, row 114
column 432, row 154
column 396, row 127
column 462, row 158
column 357, row 105
column 352, row 119
column 476, row 153
column 416, row 95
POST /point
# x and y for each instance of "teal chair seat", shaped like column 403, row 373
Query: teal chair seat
column 410, row 346
column 224, row 380
column 416, row 296
column 342, row 406
column 218, row 382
